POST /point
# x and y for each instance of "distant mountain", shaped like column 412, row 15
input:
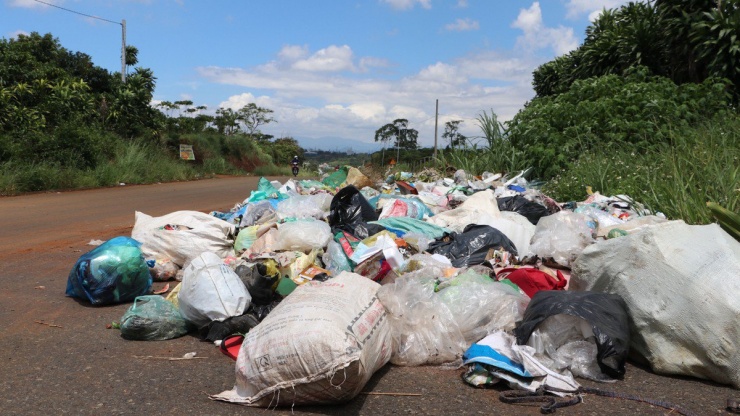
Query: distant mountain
column 337, row 144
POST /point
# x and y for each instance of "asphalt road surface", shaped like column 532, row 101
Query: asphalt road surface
column 57, row 357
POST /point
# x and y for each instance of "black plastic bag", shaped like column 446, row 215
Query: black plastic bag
column 521, row 205
column 351, row 212
column 470, row 247
column 218, row 330
column 259, row 285
column 607, row 314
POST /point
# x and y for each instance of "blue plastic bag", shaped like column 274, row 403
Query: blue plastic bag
column 111, row 273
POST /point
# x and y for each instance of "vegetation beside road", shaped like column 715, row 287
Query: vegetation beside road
column 645, row 107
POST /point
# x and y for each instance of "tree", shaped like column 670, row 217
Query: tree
column 226, row 121
column 253, row 117
column 453, row 135
column 402, row 136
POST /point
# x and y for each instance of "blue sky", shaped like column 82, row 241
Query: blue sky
column 327, row 68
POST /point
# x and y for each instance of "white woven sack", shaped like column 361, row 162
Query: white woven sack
column 211, row 291
column 319, row 345
column 681, row 284
column 199, row 232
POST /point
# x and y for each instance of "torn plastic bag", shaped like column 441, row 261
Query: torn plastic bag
column 152, row 318
column 470, row 247
column 521, row 205
column 303, row 235
column 211, row 291
column 350, row 211
column 265, row 190
column 407, row 206
column 606, row 313
column 405, row 225
column 111, row 273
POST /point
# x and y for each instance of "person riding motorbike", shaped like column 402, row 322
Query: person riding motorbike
column 294, row 165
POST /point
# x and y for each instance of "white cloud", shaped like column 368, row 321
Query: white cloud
column 461, row 25
column 30, row 4
column 331, row 59
column 462, row 3
column 14, row 35
column 408, row 4
column 537, row 36
column 353, row 105
column 577, row 8
column 293, row 53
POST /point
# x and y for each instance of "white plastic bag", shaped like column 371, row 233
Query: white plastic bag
column 562, row 236
column 302, row 235
column 319, row 345
column 305, row 206
column 182, row 235
column 211, row 291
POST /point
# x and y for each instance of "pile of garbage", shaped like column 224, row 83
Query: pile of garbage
column 312, row 286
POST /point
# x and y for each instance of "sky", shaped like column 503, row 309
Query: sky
column 331, row 69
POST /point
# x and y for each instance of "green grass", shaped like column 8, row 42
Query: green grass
column 701, row 164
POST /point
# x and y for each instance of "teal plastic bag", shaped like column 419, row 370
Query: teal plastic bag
column 111, row 273
column 264, row 191
column 152, row 318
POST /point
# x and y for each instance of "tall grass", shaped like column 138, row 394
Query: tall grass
column 132, row 163
column 700, row 164
column 494, row 154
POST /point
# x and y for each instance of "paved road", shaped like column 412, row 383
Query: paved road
column 79, row 367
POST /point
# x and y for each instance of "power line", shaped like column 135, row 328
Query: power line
column 81, row 14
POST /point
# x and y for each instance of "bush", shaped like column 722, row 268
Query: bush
column 599, row 113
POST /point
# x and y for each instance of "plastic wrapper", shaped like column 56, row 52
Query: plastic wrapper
column 162, row 269
column 302, row 235
column 404, row 206
column 152, row 318
column 471, row 246
column 335, row 260
column 256, row 213
column 112, row 272
column 562, row 236
column 605, row 313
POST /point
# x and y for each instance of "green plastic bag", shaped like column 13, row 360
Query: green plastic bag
column 336, row 179
column 153, row 318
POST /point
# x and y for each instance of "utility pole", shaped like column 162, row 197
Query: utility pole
column 436, row 118
column 123, row 50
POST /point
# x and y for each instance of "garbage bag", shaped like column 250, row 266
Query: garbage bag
column 211, row 291
column 260, row 279
column 607, row 314
column 396, row 206
column 305, row 206
column 320, row 345
column 531, row 280
column 303, row 235
column 681, row 285
column 562, row 236
column 256, row 213
column 112, row 272
column 217, row 330
column 153, row 318
column 265, row 190
column 470, row 247
column 430, row 327
column 404, row 225
column 521, row 205
column 182, row 235
column 336, row 178
column 350, row 211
